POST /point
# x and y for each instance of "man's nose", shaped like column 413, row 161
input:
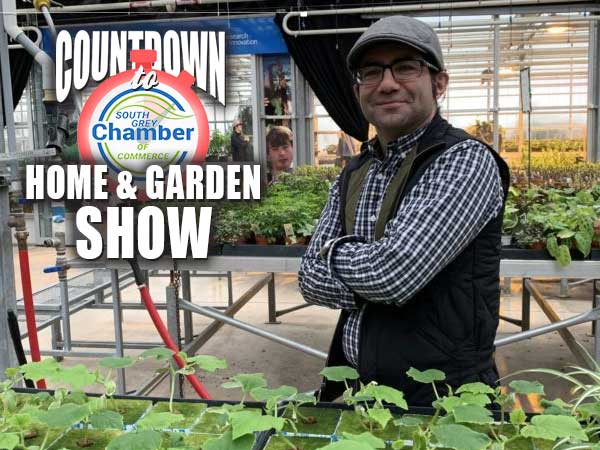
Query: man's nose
column 387, row 81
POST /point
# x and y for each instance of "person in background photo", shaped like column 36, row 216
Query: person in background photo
column 345, row 150
column 280, row 151
column 239, row 142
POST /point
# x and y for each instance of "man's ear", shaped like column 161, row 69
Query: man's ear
column 355, row 89
column 441, row 84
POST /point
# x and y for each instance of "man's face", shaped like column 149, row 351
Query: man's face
column 396, row 108
column 238, row 128
column 281, row 157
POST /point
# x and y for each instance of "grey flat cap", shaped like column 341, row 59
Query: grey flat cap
column 403, row 30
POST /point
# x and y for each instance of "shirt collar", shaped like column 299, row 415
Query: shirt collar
column 399, row 145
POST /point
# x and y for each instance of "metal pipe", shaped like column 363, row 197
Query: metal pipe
column 49, row 21
column 281, row 312
column 128, row 5
column 63, row 353
column 453, row 24
column 496, row 72
column 577, row 283
column 111, row 344
column 17, row 221
column 587, row 316
column 64, row 313
column 118, row 324
column 42, row 58
column 38, row 37
column 210, row 312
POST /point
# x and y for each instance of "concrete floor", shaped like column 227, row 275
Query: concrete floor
column 312, row 326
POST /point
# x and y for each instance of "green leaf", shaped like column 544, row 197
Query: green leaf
column 36, row 371
column 527, row 387
column 262, row 394
column 207, row 363
column 517, row 417
column 409, row 421
column 348, row 445
column 8, row 441
column 158, row 420
column 159, row 353
column 77, row 377
column 112, row 362
column 583, row 242
column 552, row 246
column 63, row 416
column 427, row 376
column 448, row 403
column 589, row 409
column 565, row 234
column 138, row 440
column 472, row 414
column 563, row 255
column 366, row 438
column 386, row 394
column 459, row 437
column 106, row 419
column 339, row 373
column 380, row 416
column 78, row 397
column 246, row 381
column 246, row 422
column 475, row 399
column 225, row 442
column 551, row 427
column 476, row 388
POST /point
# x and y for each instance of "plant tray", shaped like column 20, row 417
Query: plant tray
column 289, row 251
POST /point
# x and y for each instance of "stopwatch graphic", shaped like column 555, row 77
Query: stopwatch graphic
column 130, row 122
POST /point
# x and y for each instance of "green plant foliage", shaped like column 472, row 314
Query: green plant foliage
column 551, row 427
column 340, row 373
column 139, row 440
column 247, row 422
column 366, row 438
column 427, row 376
column 158, row 420
column 527, row 387
column 106, row 419
column 459, row 437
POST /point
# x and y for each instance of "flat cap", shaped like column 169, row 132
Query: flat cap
column 402, row 30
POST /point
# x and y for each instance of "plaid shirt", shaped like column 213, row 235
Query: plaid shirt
column 455, row 198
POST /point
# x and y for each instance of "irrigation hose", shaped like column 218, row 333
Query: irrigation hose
column 15, row 334
column 162, row 330
column 34, row 345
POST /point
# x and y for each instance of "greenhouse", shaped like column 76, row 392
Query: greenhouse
column 226, row 226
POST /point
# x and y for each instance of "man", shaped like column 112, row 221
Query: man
column 408, row 245
column 280, row 150
column 239, row 142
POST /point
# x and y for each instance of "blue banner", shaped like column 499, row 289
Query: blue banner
column 253, row 35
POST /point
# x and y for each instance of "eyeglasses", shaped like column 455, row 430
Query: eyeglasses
column 402, row 70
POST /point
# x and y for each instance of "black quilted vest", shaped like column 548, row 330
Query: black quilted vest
column 448, row 325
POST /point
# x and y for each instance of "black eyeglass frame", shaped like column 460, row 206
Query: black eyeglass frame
column 423, row 63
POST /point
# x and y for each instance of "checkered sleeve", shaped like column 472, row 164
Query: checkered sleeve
column 454, row 199
column 316, row 283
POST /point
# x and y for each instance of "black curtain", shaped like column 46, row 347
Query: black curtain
column 20, row 65
column 322, row 61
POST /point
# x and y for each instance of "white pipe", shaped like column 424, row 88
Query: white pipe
column 49, row 21
column 38, row 37
column 127, row 5
column 451, row 24
column 42, row 58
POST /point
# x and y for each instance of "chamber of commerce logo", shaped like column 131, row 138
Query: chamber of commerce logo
column 142, row 117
